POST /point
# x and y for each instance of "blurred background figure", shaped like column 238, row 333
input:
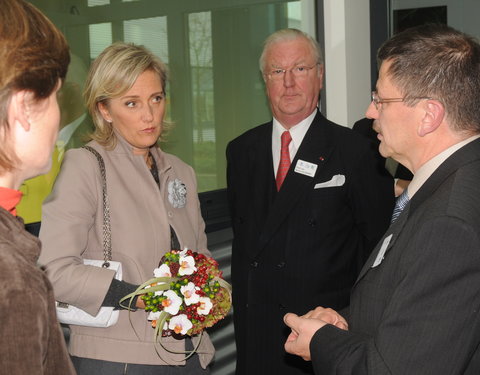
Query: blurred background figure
column 75, row 126
column 34, row 59
column 154, row 208
column 402, row 175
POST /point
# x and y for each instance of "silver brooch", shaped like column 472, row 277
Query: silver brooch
column 177, row 193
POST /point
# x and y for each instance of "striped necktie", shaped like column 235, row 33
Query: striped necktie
column 284, row 164
column 400, row 203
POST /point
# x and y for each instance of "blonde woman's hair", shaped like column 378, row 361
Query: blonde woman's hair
column 112, row 74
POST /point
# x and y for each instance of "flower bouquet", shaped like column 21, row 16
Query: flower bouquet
column 186, row 296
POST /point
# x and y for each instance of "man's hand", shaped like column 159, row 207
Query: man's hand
column 303, row 329
column 329, row 316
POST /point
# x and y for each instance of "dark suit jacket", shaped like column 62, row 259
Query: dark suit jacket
column 417, row 312
column 300, row 247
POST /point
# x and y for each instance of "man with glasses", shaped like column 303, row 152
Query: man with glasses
column 308, row 204
column 414, row 308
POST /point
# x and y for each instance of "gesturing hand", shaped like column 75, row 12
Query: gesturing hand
column 303, row 328
column 329, row 316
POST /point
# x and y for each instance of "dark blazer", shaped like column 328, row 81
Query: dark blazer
column 417, row 312
column 303, row 246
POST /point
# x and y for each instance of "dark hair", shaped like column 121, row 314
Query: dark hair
column 439, row 62
column 33, row 56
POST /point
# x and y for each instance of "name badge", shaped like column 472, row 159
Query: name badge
column 306, row 168
column 381, row 252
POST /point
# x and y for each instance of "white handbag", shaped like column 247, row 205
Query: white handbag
column 107, row 316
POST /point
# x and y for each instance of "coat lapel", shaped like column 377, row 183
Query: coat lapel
column 314, row 149
column 260, row 169
column 385, row 244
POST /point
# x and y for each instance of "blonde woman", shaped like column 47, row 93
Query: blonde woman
column 154, row 208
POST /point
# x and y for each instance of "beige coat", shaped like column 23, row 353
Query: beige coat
column 141, row 216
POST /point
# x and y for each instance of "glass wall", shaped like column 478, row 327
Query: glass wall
column 215, row 90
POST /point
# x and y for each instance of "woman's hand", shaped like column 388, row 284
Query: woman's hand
column 140, row 303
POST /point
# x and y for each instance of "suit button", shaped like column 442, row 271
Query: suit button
column 312, row 222
column 254, row 264
column 281, row 265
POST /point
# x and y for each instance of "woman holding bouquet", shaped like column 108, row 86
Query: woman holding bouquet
column 154, row 208
column 34, row 59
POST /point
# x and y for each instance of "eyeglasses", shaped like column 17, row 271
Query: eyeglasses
column 298, row 72
column 377, row 100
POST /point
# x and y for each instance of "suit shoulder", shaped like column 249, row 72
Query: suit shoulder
column 452, row 190
column 464, row 199
column 348, row 137
column 251, row 136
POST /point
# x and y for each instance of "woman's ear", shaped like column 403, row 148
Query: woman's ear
column 102, row 107
column 433, row 117
column 19, row 110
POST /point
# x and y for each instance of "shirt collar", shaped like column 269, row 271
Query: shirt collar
column 427, row 169
column 9, row 198
column 297, row 131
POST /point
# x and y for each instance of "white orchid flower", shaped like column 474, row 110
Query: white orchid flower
column 180, row 324
column 183, row 252
column 189, row 293
column 187, row 265
column 172, row 303
column 205, row 306
column 162, row 271
column 154, row 315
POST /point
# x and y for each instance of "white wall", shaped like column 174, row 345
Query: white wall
column 347, row 59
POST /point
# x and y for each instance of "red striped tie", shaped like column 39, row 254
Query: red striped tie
column 284, row 159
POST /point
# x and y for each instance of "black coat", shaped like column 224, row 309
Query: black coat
column 416, row 312
column 303, row 246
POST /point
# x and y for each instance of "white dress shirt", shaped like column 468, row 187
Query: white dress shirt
column 297, row 132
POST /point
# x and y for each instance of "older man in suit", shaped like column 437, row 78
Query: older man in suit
column 308, row 203
column 415, row 306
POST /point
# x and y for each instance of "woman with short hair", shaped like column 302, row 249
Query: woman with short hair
column 34, row 58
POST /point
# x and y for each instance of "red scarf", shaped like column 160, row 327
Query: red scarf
column 9, row 199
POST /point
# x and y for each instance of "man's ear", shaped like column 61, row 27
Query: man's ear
column 433, row 117
column 18, row 109
column 321, row 72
